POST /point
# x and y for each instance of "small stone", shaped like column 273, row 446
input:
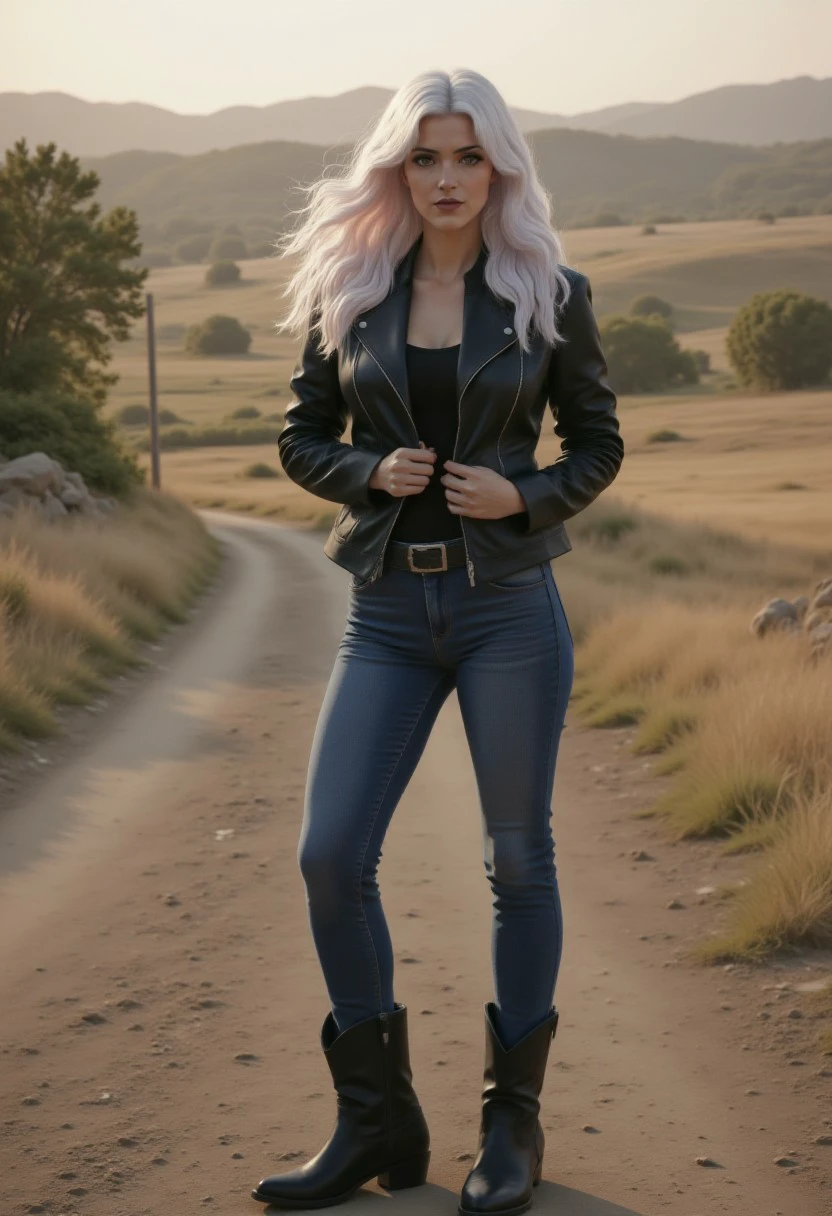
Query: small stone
column 587, row 1127
column 823, row 1139
column 171, row 901
column 675, row 903
column 93, row 1018
column 236, row 1156
column 784, row 1161
column 795, row 1013
column 641, row 855
column 705, row 1161
column 31, row 1101
column 246, row 1057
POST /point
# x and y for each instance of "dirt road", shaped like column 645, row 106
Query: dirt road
column 162, row 1001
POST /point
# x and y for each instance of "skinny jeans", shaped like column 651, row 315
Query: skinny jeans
column 409, row 639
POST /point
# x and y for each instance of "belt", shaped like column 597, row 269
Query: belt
column 425, row 558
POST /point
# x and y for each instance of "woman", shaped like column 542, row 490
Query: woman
column 440, row 320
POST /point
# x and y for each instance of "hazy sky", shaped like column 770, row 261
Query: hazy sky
column 197, row 56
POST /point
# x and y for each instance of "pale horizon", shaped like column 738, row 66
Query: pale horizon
column 191, row 60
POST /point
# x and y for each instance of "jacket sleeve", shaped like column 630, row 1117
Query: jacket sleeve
column 584, row 407
column 309, row 445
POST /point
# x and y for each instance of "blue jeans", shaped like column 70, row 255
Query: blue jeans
column 409, row 639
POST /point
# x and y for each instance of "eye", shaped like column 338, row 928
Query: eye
column 473, row 157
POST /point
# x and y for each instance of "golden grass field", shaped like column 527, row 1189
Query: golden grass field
column 734, row 512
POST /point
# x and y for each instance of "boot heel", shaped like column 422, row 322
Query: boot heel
column 538, row 1174
column 407, row 1173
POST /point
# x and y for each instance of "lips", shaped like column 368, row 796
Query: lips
column 450, row 205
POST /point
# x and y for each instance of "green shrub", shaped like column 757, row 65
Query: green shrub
column 608, row 529
column 647, row 306
column 174, row 438
column 259, row 469
column 781, row 340
column 218, row 335
column 643, row 356
column 220, row 274
column 133, row 415
column 71, row 431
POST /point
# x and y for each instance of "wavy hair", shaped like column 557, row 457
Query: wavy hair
column 358, row 226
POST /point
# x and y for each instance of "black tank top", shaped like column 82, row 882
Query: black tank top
column 431, row 381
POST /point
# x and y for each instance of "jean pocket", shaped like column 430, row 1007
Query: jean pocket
column 530, row 576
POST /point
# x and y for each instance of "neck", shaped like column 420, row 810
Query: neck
column 445, row 257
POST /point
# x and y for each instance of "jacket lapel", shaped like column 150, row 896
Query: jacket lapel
column 487, row 326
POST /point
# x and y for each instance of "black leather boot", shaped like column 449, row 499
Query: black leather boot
column 509, row 1158
column 380, row 1129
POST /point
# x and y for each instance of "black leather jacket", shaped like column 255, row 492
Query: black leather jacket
column 503, row 392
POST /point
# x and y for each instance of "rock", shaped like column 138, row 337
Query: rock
column 777, row 614
column 37, row 481
column 675, row 903
column 34, row 474
column 706, row 1161
column 784, row 1161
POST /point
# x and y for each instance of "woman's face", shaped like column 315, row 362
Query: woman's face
column 448, row 163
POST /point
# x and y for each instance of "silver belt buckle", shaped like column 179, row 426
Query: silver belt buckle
column 427, row 569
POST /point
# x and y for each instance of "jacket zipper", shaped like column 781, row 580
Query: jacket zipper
column 376, row 570
column 469, row 565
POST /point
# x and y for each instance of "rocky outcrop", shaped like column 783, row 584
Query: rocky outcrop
column 810, row 615
column 38, row 481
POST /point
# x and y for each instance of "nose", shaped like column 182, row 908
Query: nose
column 447, row 176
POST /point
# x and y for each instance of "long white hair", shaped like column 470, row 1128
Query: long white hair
column 359, row 225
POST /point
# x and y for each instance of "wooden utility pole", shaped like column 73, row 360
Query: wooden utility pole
column 154, row 411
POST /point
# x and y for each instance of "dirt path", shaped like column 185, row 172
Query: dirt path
column 162, row 1000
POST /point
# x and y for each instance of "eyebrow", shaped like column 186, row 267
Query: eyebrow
column 467, row 148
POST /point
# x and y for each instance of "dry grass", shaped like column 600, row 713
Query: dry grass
column 788, row 900
column 77, row 594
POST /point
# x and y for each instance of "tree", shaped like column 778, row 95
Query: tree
column 218, row 335
column 781, row 340
column 647, row 306
column 220, row 274
column 643, row 356
column 64, row 294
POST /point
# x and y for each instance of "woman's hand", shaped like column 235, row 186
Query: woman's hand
column 404, row 471
column 479, row 492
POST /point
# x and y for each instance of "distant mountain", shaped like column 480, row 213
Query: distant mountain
column 755, row 114
column 255, row 187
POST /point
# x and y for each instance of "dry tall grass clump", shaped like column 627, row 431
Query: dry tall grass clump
column 76, row 594
column 788, row 899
